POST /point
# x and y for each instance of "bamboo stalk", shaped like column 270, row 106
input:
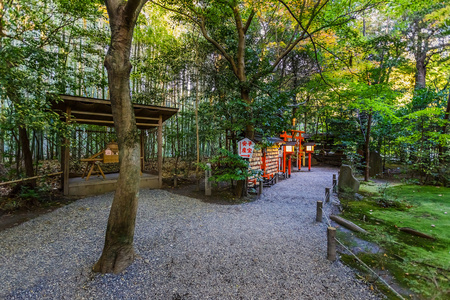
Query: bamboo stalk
column 29, row 178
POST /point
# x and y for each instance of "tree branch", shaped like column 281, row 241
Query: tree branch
column 133, row 7
column 201, row 24
column 218, row 47
column 249, row 21
column 111, row 7
column 313, row 43
column 177, row 12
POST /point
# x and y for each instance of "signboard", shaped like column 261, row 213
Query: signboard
column 245, row 147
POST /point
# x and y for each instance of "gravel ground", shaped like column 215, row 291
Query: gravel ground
column 271, row 248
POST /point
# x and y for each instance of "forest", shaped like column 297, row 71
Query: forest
column 369, row 74
column 356, row 77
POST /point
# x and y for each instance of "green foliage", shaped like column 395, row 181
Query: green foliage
column 36, row 58
column 422, row 123
column 226, row 166
column 419, row 264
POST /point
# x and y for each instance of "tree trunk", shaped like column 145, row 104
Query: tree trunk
column 197, row 134
column 118, row 252
column 421, row 72
column 2, row 142
column 27, row 155
column 367, row 148
column 250, row 127
column 444, row 129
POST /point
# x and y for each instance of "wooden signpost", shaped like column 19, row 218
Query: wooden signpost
column 245, row 147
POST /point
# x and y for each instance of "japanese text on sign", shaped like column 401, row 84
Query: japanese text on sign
column 245, row 147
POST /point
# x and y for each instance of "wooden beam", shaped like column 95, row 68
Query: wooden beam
column 91, row 113
column 147, row 118
column 109, row 115
column 111, row 122
column 160, row 160
column 108, row 102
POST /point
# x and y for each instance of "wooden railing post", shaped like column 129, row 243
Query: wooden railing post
column 260, row 188
column 334, row 183
column 319, row 211
column 331, row 238
column 327, row 195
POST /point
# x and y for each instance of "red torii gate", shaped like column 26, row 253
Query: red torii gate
column 297, row 135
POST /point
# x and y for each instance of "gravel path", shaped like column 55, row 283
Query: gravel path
column 271, row 248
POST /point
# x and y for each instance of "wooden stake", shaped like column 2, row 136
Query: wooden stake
column 334, row 183
column 331, row 238
column 319, row 211
column 260, row 188
column 327, row 195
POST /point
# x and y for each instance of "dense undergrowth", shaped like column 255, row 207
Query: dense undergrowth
column 420, row 265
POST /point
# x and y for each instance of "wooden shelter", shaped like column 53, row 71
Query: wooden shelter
column 93, row 111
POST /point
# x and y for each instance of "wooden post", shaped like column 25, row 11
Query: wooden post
column 331, row 248
column 197, row 180
column 327, row 195
column 142, row 150
column 289, row 165
column 309, row 161
column 319, row 211
column 260, row 188
column 65, row 157
column 334, row 183
column 207, row 182
column 160, row 151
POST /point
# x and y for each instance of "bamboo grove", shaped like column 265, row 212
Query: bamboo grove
column 371, row 74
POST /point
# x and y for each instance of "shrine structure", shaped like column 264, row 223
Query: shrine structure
column 276, row 160
column 82, row 110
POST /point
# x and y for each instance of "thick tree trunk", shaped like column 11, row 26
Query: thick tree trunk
column 250, row 127
column 118, row 252
column 240, row 189
column 23, row 140
column 421, row 72
column 27, row 155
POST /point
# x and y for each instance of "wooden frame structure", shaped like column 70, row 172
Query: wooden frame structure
column 82, row 110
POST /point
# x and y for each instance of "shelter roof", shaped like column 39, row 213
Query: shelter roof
column 274, row 140
column 98, row 111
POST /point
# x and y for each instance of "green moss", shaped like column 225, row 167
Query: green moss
column 420, row 265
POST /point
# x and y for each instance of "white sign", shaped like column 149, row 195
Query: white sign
column 245, row 147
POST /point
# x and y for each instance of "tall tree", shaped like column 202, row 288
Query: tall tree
column 249, row 36
column 118, row 252
column 33, row 53
column 425, row 26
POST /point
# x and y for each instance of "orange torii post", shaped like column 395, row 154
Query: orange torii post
column 297, row 135
column 285, row 138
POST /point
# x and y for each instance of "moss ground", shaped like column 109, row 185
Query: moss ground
column 418, row 264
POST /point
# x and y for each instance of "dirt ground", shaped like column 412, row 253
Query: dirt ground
column 10, row 219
